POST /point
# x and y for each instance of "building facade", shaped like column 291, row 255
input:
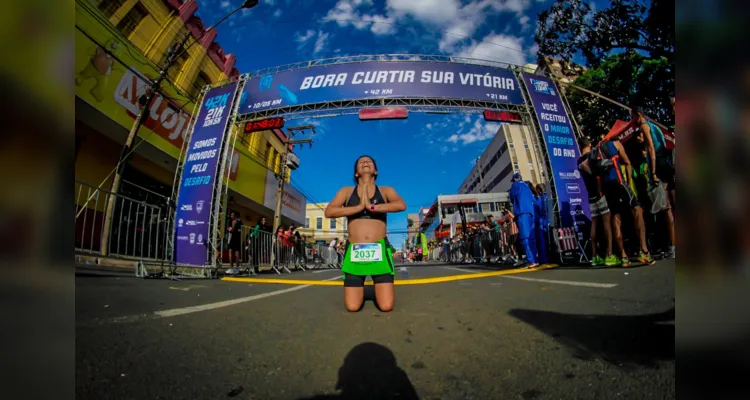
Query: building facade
column 121, row 45
column 512, row 149
column 443, row 218
column 414, row 228
column 319, row 228
column 564, row 72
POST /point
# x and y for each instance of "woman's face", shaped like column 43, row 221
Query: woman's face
column 262, row 221
column 366, row 166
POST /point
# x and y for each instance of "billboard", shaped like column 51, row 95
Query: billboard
column 367, row 80
column 198, row 176
column 293, row 205
column 572, row 198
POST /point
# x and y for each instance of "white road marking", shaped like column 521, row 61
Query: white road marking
column 205, row 307
column 571, row 283
column 462, row 270
column 521, row 278
column 325, row 270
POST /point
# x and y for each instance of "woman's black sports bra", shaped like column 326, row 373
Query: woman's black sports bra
column 366, row 214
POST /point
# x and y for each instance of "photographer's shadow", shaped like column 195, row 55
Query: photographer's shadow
column 370, row 372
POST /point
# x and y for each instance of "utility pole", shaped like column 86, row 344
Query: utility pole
column 145, row 103
column 281, row 177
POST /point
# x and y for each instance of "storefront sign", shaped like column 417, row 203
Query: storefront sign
column 199, row 177
column 562, row 149
column 380, row 79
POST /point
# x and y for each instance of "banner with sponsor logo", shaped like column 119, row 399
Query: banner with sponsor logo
column 293, row 205
column 562, row 149
column 198, row 177
column 366, row 80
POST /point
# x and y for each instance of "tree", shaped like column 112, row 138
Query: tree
column 629, row 78
column 573, row 28
column 629, row 49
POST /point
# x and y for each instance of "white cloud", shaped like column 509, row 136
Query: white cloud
column 269, row 2
column 277, row 13
column 225, row 5
column 319, row 38
column 354, row 13
column 305, row 37
column 478, row 133
column 496, row 47
column 428, row 126
column 320, row 42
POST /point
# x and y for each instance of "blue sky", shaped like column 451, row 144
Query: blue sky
column 443, row 147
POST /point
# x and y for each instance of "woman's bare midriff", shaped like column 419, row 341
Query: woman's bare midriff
column 366, row 231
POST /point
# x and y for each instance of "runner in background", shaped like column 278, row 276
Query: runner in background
column 611, row 159
column 600, row 215
column 652, row 164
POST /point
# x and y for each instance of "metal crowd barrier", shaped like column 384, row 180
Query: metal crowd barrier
column 476, row 247
column 257, row 247
column 138, row 230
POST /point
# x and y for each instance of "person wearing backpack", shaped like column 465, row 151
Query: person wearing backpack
column 611, row 164
column 600, row 214
column 659, row 167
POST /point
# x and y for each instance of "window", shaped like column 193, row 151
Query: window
column 531, row 166
column 200, row 81
column 332, row 224
column 319, row 223
column 485, row 207
column 307, row 222
column 515, row 166
column 110, row 7
column 175, row 42
column 492, row 207
column 132, row 19
column 177, row 67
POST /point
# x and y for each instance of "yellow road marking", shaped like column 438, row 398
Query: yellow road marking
column 398, row 282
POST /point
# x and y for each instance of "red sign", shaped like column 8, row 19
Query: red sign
column 501, row 116
column 383, row 113
column 264, row 124
column 164, row 118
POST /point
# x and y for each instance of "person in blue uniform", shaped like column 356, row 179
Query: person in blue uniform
column 523, row 206
column 541, row 223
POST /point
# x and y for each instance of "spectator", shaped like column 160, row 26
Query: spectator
column 511, row 232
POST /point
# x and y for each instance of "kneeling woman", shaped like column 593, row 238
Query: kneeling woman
column 368, row 252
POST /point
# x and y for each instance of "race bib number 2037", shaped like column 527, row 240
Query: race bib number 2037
column 367, row 252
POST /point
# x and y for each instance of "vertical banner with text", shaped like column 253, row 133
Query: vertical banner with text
column 199, row 175
column 562, row 149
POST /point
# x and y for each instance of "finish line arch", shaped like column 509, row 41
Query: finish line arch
column 345, row 85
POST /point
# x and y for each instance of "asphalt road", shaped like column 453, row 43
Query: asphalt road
column 563, row 333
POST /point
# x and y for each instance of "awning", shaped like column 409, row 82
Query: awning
column 455, row 202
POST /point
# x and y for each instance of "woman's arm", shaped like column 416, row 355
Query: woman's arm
column 336, row 209
column 394, row 202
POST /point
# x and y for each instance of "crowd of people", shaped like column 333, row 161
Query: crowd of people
column 520, row 237
column 631, row 190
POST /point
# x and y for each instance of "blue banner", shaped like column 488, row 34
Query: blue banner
column 562, row 149
column 365, row 80
column 198, row 176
